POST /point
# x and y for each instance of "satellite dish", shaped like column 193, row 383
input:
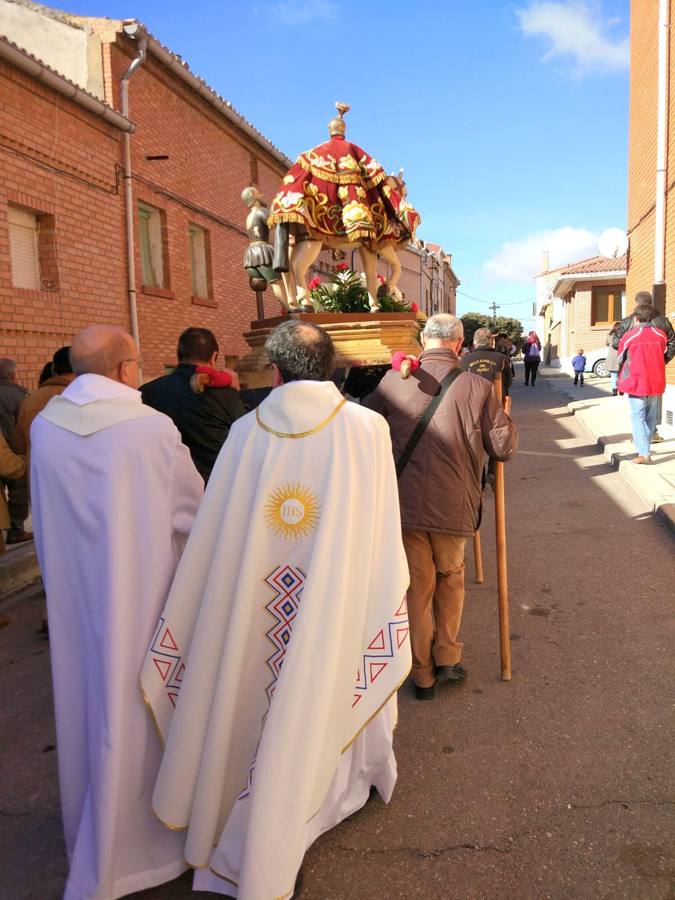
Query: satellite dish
column 612, row 243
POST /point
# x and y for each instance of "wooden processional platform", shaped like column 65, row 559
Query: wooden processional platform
column 361, row 339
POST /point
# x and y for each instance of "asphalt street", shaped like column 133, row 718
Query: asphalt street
column 558, row 784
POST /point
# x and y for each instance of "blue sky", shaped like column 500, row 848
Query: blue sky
column 509, row 118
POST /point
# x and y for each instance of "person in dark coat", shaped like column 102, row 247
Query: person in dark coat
column 12, row 395
column 483, row 360
column 203, row 419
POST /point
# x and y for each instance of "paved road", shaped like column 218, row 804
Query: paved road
column 557, row 785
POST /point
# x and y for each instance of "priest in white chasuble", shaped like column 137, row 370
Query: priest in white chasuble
column 114, row 494
column 274, row 668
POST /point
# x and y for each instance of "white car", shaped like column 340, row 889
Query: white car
column 595, row 362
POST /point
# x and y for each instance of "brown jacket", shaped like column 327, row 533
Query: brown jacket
column 11, row 466
column 440, row 488
column 33, row 405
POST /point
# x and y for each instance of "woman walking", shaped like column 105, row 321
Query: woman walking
column 531, row 357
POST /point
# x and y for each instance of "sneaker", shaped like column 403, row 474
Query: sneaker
column 451, row 673
column 656, row 438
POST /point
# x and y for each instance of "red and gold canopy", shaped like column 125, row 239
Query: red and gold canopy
column 337, row 190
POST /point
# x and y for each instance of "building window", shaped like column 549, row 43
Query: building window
column 151, row 226
column 23, row 246
column 606, row 306
column 199, row 260
column 254, row 170
column 32, row 245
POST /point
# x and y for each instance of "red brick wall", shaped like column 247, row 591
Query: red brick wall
column 642, row 157
column 59, row 160
column 209, row 164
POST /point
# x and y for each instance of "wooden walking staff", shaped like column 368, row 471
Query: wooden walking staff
column 502, row 575
column 478, row 558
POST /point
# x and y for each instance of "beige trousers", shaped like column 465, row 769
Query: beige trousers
column 435, row 600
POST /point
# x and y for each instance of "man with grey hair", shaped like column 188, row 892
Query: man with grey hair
column 440, row 451
column 12, row 395
column 295, row 559
column 483, row 360
column 114, row 495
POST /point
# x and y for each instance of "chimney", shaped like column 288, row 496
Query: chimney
column 544, row 261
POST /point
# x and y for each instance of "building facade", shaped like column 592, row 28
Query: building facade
column 90, row 178
column 578, row 304
column 651, row 163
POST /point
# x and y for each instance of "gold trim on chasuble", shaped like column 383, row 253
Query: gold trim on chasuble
column 300, row 434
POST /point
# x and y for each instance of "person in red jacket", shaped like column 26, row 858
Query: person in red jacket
column 643, row 351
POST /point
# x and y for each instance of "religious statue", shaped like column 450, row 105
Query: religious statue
column 338, row 196
column 259, row 255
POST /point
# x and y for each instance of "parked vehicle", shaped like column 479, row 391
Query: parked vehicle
column 595, row 362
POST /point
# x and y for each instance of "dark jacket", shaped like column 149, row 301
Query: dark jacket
column 488, row 364
column 12, row 396
column 203, row 420
column 440, row 488
column 661, row 322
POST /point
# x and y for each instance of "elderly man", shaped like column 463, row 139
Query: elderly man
column 12, row 395
column 440, row 465
column 203, row 419
column 296, row 560
column 487, row 362
column 114, row 494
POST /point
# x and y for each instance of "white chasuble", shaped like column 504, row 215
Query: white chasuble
column 284, row 635
column 114, row 494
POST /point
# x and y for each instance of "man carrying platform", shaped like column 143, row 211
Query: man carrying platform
column 273, row 671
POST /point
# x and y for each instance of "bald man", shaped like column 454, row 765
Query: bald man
column 114, row 495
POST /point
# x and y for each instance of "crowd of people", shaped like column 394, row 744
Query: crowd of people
column 270, row 577
column 193, row 545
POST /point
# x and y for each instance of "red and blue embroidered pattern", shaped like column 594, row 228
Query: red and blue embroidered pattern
column 167, row 659
column 380, row 651
column 287, row 583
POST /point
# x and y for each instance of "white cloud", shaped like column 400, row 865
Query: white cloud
column 303, row 12
column 575, row 29
column 521, row 260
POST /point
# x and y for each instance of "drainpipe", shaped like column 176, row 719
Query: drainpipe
column 661, row 161
column 131, row 31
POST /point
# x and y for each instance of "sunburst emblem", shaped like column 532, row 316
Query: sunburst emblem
column 292, row 511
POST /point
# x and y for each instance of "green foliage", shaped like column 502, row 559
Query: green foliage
column 512, row 328
column 345, row 292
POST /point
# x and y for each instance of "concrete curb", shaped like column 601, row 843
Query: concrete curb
column 654, row 484
column 18, row 570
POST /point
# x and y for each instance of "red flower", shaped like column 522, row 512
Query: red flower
column 314, row 283
column 414, row 307
column 341, row 267
column 381, row 278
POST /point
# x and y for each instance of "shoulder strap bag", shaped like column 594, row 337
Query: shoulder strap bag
column 427, row 416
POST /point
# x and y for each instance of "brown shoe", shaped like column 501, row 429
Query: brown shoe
column 642, row 460
column 18, row 537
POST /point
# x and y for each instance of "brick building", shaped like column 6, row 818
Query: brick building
column 651, row 162
column 579, row 304
column 64, row 241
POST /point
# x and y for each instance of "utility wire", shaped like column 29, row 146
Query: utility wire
column 489, row 302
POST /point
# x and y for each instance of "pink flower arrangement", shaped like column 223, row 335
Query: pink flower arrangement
column 341, row 267
column 381, row 278
column 314, row 283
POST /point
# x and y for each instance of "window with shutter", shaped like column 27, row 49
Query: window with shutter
column 198, row 260
column 23, row 244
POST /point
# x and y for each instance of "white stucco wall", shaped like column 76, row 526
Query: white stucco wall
column 61, row 46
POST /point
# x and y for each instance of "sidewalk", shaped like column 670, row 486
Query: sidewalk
column 607, row 420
